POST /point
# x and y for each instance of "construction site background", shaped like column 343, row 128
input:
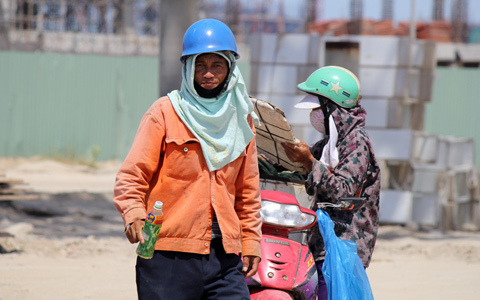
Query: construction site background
column 127, row 27
column 82, row 54
column 76, row 77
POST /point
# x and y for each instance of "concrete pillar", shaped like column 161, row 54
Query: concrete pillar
column 175, row 18
column 4, row 41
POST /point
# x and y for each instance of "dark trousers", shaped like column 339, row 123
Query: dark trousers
column 177, row 275
column 322, row 292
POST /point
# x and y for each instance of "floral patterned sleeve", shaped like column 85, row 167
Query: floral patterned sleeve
column 347, row 177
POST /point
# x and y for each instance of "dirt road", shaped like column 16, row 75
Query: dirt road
column 70, row 244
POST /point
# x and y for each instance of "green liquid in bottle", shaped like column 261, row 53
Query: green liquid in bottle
column 151, row 230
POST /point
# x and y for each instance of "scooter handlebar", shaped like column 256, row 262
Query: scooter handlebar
column 344, row 203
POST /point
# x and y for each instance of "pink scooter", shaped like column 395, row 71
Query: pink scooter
column 287, row 269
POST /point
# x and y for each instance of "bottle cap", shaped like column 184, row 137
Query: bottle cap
column 158, row 205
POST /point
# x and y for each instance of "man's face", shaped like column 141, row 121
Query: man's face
column 210, row 70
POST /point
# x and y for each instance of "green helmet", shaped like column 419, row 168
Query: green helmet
column 335, row 83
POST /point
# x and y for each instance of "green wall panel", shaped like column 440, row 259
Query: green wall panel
column 455, row 108
column 67, row 105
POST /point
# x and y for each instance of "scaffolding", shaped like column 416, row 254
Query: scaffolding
column 387, row 10
column 437, row 12
column 312, row 9
column 356, row 16
column 459, row 21
column 232, row 12
column 131, row 27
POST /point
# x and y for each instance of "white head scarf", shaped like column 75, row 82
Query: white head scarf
column 330, row 152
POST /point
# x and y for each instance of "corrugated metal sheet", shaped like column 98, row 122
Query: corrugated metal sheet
column 455, row 108
column 65, row 105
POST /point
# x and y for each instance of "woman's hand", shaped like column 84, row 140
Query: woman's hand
column 299, row 153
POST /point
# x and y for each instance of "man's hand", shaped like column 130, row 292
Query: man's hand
column 250, row 265
column 134, row 232
column 299, row 153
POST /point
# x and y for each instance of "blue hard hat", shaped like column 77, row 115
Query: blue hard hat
column 208, row 35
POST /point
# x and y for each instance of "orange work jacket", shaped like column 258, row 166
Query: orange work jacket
column 166, row 164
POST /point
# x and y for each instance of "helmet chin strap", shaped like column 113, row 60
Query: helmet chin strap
column 327, row 108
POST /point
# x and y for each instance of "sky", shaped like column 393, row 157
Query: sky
column 372, row 9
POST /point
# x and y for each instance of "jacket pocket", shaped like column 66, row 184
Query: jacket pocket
column 183, row 159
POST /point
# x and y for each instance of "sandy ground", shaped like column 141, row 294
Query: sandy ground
column 69, row 244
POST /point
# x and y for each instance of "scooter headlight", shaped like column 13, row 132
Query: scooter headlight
column 287, row 215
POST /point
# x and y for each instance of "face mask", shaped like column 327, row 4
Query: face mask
column 317, row 119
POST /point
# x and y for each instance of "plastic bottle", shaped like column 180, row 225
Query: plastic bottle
column 151, row 229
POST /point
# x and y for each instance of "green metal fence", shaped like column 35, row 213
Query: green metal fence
column 78, row 106
column 455, row 108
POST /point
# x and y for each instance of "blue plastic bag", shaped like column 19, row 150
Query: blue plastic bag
column 342, row 269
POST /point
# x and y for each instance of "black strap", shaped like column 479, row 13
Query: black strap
column 327, row 108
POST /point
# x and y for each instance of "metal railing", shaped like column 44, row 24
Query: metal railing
column 121, row 27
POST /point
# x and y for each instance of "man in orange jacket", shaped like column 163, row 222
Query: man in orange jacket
column 195, row 151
